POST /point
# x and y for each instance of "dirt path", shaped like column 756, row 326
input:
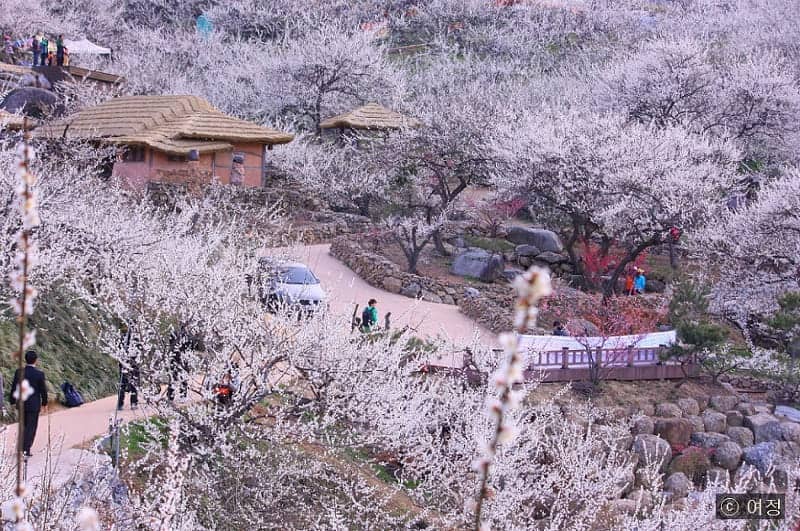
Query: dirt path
column 346, row 289
column 66, row 429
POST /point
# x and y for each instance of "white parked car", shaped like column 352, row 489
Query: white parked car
column 291, row 285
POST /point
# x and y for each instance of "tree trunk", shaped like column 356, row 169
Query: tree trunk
column 439, row 244
column 569, row 246
column 611, row 287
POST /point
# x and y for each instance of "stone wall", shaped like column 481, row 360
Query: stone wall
column 325, row 226
column 488, row 304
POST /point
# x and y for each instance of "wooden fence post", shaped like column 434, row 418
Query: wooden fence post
column 599, row 356
column 564, row 357
column 630, row 355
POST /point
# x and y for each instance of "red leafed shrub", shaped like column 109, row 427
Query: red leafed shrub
column 491, row 217
column 599, row 260
column 614, row 316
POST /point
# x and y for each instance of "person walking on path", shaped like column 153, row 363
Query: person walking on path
column 639, row 282
column 35, row 49
column 43, row 50
column 180, row 342
column 33, row 403
column 128, row 381
column 369, row 317
column 60, row 50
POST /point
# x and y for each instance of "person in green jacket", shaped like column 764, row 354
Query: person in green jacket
column 43, row 49
column 369, row 317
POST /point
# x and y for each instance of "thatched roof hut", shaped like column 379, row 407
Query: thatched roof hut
column 175, row 125
column 371, row 116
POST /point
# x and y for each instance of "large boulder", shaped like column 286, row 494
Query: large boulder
column 708, row 439
column 689, row 406
column 723, row 403
column 413, row 290
column 734, row 418
column 790, row 431
column 741, row 436
column 697, row 423
column 745, row 408
column 544, row 240
column 654, row 286
column 478, row 263
column 787, row 412
column 775, row 458
column 694, row 462
column 675, row 431
column 714, row 421
column 761, row 455
column 32, row 101
column 551, row 258
column 765, row 427
column 652, row 450
column 678, row 485
column 527, row 250
column 392, row 284
column 728, row 455
column 668, row 409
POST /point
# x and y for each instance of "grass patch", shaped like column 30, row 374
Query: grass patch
column 135, row 437
column 66, row 341
column 497, row 245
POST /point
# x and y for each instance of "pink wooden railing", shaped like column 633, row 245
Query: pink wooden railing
column 624, row 357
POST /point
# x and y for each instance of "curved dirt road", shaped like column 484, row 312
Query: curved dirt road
column 69, row 428
column 346, row 289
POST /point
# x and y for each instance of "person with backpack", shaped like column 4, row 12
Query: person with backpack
column 43, row 51
column 369, row 317
column 128, row 372
column 34, row 403
column 128, row 381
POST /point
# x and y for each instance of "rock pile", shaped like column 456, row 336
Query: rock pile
column 721, row 440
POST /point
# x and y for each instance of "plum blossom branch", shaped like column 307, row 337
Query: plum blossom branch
column 531, row 287
column 24, row 261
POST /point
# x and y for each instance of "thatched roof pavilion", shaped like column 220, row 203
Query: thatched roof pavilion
column 175, row 125
column 371, row 116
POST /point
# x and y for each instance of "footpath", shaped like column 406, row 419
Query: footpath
column 68, row 433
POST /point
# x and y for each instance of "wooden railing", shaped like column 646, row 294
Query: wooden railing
column 619, row 357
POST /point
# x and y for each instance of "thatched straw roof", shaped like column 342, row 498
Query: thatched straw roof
column 370, row 116
column 15, row 122
column 172, row 124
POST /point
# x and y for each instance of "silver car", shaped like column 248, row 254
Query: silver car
column 291, row 285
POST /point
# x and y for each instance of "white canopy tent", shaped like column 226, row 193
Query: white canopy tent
column 556, row 343
column 85, row 47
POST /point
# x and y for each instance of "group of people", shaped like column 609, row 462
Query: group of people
column 45, row 52
column 635, row 281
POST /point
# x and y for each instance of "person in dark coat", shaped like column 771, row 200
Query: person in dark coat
column 128, row 381
column 60, row 50
column 179, row 342
column 35, row 402
column 128, row 372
